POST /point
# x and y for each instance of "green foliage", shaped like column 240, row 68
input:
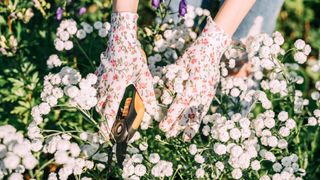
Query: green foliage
column 33, row 25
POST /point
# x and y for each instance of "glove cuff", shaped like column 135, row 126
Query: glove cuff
column 124, row 24
column 216, row 34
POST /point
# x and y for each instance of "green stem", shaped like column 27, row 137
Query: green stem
column 85, row 54
column 174, row 175
column 42, row 167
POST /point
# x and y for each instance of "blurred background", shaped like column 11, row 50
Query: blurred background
column 28, row 30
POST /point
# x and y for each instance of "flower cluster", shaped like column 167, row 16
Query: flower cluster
column 68, row 29
column 247, row 142
column 134, row 168
column 53, row 61
column 64, row 83
column 248, row 133
column 16, row 153
column 302, row 51
column 67, row 155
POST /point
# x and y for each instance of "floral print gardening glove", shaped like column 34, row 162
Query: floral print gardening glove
column 201, row 61
column 123, row 63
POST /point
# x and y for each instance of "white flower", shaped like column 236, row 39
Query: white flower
column 189, row 23
column 63, row 145
column 219, row 165
column 199, row 11
column 270, row 156
column 244, row 122
column 264, row 177
column 61, row 157
column 272, row 141
column 200, row 173
column 286, row 161
column 244, row 161
column 3, row 151
column 236, row 173
column 235, row 92
column 255, row 165
column 299, row 44
column 29, row 162
column 224, row 136
column 81, row 34
column 268, row 41
column 307, row 50
column 277, row 167
column 316, row 112
column 107, row 26
column 140, row 170
column 269, row 122
column 199, row 159
column 44, row 108
column 64, row 35
column 312, row 121
column 220, row 149
column 290, row 123
column 52, row 176
column 293, row 158
column 87, row 27
column 97, row 25
column 264, row 52
column 72, row 29
column 15, row 176
column 53, row 61
column 103, row 33
column 284, row 131
column 206, row 130
column 68, row 45
column 275, row 49
column 74, row 149
column 58, row 44
column 282, row 144
column 278, row 39
column 83, row 136
column 71, row 91
column 143, row 146
column 236, row 151
column 235, row 133
column 300, row 57
column 283, row 116
column 22, row 149
column 193, row 149
column 154, row 158
column 11, row 161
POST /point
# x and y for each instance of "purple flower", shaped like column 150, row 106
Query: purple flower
column 59, row 13
column 82, row 11
column 183, row 7
column 156, row 3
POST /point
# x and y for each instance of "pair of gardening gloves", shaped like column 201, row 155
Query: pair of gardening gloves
column 124, row 63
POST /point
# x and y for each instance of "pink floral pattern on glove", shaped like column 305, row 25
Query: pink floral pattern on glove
column 123, row 63
column 201, row 60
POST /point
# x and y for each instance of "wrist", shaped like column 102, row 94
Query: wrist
column 125, row 6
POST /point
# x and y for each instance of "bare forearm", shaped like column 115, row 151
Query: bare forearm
column 231, row 13
column 125, row 5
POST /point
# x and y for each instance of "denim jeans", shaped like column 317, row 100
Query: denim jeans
column 261, row 18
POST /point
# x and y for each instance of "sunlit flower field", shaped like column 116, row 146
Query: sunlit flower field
column 261, row 126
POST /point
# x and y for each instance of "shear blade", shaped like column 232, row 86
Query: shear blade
column 121, row 150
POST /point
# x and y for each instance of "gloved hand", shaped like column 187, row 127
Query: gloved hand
column 201, row 60
column 123, row 63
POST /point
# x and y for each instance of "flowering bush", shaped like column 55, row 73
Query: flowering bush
column 257, row 127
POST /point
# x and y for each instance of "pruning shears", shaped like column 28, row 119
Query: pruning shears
column 128, row 120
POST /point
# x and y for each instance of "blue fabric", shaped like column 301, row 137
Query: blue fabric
column 267, row 9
